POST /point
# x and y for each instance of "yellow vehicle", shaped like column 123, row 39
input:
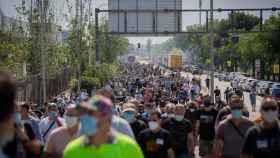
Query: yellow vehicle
column 175, row 61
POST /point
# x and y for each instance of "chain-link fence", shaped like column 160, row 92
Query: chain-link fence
column 30, row 89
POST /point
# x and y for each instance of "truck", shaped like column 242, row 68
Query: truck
column 174, row 61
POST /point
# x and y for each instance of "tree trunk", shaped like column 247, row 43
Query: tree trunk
column 253, row 68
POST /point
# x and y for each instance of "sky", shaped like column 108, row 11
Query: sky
column 8, row 7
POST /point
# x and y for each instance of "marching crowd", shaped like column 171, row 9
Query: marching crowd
column 145, row 111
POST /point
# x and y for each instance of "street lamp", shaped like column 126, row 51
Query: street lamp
column 200, row 6
column 97, row 50
column 211, row 39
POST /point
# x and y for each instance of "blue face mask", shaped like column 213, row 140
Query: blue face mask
column 52, row 114
column 236, row 113
column 128, row 116
column 17, row 118
column 88, row 125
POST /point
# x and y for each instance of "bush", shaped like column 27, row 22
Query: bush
column 96, row 76
column 87, row 83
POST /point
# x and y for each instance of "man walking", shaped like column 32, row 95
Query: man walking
column 181, row 132
column 155, row 141
column 263, row 140
column 98, row 138
column 230, row 133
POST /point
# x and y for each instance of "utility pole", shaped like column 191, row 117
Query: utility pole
column 211, row 40
column 44, row 56
column 200, row 7
column 149, row 45
column 77, row 25
column 97, row 36
column 31, row 16
column 90, row 38
column 80, row 43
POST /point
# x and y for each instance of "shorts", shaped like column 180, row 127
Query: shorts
column 205, row 147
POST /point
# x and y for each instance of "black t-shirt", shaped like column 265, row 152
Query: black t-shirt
column 217, row 92
column 155, row 145
column 191, row 115
column 179, row 133
column 138, row 126
column 262, row 143
column 207, row 123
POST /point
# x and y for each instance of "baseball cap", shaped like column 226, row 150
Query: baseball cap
column 98, row 104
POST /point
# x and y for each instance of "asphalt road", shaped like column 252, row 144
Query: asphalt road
column 222, row 86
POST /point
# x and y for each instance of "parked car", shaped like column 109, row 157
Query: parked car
column 264, row 87
column 259, row 87
column 275, row 90
column 221, row 76
column 196, row 70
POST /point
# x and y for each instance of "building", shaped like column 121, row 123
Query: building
column 8, row 23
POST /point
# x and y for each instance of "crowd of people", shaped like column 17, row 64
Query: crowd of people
column 145, row 111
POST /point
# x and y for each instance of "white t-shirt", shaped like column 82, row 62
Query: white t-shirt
column 45, row 123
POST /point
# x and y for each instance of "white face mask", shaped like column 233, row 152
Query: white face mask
column 171, row 115
column 179, row 117
column 153, row 125
column 71, row 121
column 269, row 116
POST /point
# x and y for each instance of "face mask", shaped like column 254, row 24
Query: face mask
column 192, row 109
column 71, row 121
column 129, row 117
column 270, row 116
column 17, row 118
column 153, row 125
column 88, row 125
column 171, row 115
column 236, row 113
column 52, row 114
column 164, row 115
column 179, row 117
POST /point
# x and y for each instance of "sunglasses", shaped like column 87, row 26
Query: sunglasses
column 269, row 108
column 236, row 108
